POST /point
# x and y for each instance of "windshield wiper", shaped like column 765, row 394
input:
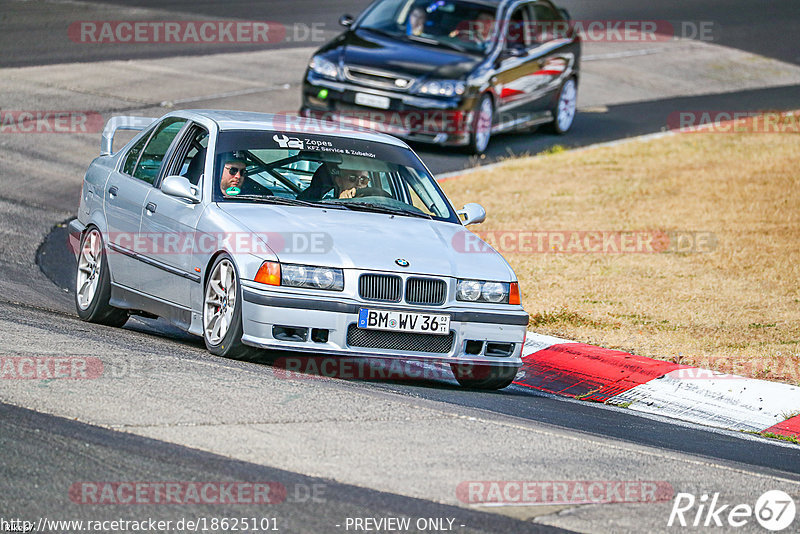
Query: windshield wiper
column 279, row 200
column 369, row 206
column 380, row 32
column 436, row 42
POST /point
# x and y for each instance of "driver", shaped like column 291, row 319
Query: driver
column 415, row 23
column 233, row 176
column 234, row 179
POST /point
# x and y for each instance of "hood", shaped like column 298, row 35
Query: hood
column 364, row 48
column 370, row 241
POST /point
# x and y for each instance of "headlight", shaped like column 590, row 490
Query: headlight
column 493, row 292
column 323, row 67
column 307, row 276
column 443, row 88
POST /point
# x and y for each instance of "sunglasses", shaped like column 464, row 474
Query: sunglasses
column 235, row 170
column 356, row 179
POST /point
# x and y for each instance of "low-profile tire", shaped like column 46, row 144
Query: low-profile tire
column 93, row 283
column 566, row 107
column 222, row 311
column 477, row 376
column 481, row 131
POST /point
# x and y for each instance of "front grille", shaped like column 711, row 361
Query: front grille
column 405, row 341
column 426, row 291
column 377, row 78
column 380, row 287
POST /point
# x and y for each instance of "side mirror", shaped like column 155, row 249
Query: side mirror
column 565, row 14
column 179, row 186
column 472, row 213
column 346, row 20
column 513, row 51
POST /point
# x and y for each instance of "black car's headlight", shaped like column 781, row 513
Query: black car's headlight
column 443, row 88
column 492, row 292
column 307, row 276
column 323, row 67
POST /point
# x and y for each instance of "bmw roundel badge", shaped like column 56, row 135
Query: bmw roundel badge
column 401, row 262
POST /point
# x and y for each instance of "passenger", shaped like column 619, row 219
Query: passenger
column 349, row 181
column 329, row 181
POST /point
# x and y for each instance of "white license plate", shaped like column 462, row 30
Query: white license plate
column 373, row 101
column 397, row 321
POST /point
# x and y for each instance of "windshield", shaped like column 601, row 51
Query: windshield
column 457, row 24
column 319, row 171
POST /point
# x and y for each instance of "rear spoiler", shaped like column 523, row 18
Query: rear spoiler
column 121, row 123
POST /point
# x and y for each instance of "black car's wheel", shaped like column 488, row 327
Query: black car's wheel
column 566, row 107
column 222, row 311
column 477, row 376
column 481, row 131
column 93, row 283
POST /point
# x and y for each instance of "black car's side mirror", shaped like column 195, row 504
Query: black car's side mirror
column 346, row 20
column 512, row 51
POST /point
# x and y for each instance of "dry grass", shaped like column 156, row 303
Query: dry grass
column 736, row 309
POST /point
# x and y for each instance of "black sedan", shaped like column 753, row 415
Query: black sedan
column 450, row 72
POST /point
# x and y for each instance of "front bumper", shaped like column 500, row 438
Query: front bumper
column 443, row 121
column 266, row 312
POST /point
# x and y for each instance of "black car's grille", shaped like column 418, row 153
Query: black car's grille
column 406, row 341
column 381, row 287
column 378, row 79
column 428, row 291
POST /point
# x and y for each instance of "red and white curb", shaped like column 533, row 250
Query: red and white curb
column 657, row 387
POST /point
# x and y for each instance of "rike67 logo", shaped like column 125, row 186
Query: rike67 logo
column 775, row 510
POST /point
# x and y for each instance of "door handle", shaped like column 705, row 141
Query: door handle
column 112, row 191
column 150, row 207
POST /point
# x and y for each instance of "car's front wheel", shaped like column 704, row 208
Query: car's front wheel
column 93, row 283
column 482, row 125
column 222, row 311
column 489, row 377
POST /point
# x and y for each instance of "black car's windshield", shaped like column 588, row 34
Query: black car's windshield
column 325, row 171
column 457, row 24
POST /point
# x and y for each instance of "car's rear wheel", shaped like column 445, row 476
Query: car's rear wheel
column 566, row 107
column 482, row 125
column 93, row 283
column 477, row 376
column 222, row 311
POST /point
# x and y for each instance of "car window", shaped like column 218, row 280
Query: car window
column 346, row 172
column 190, row 155
column 546, row 27
column 456, row 24
column 153, row 154
column 520, row 31
column 133, row 155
